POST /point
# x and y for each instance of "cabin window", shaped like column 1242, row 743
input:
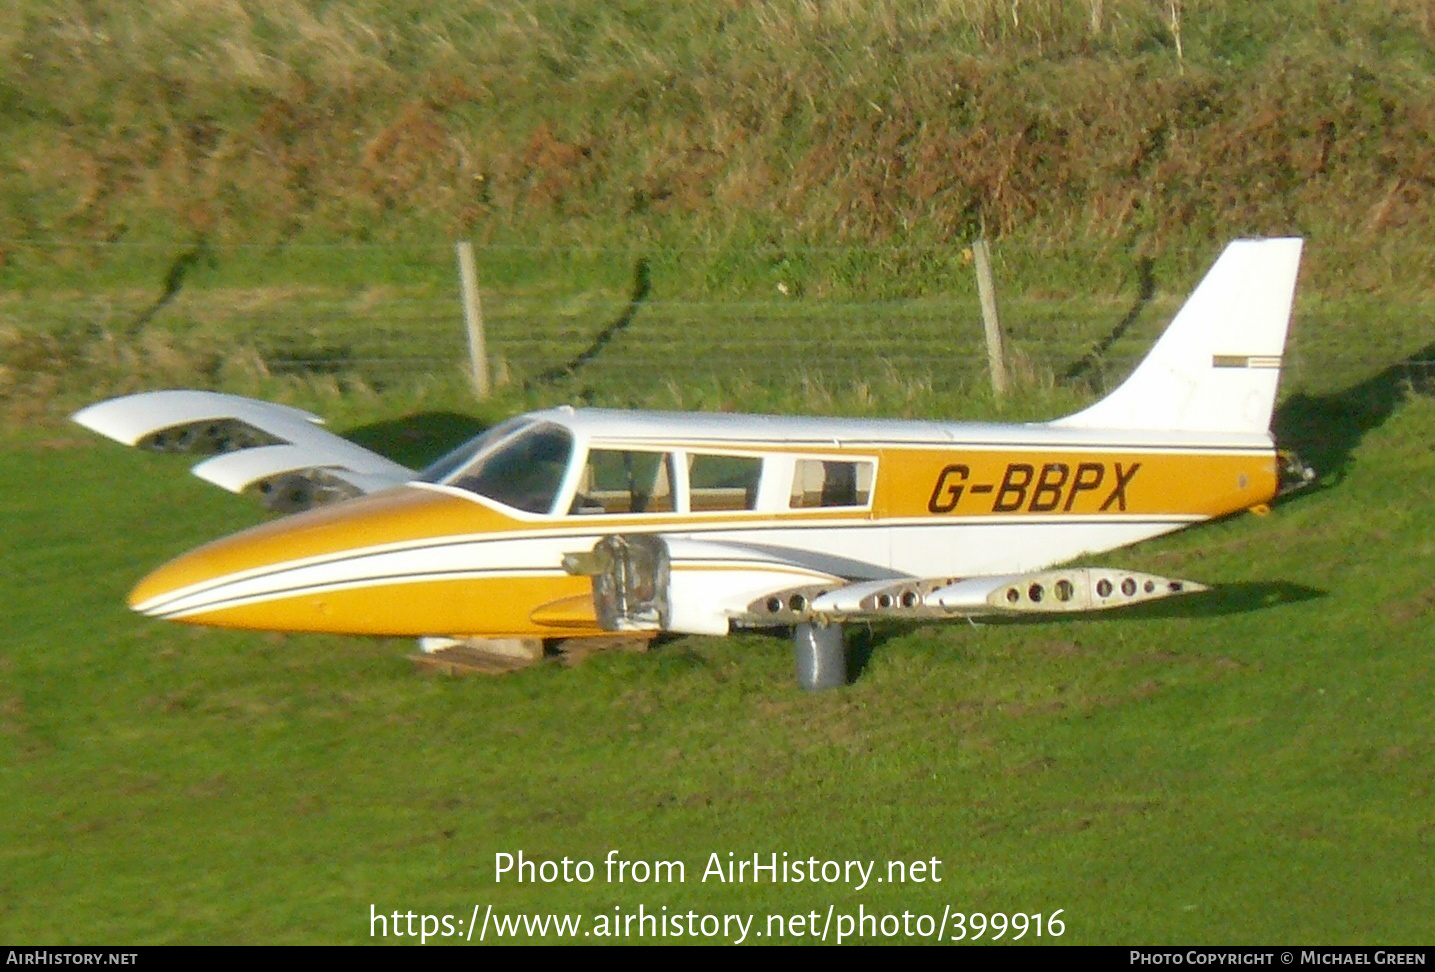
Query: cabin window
column 818, row 483
column 523, row 470
column 723, row 482
column 616, row 481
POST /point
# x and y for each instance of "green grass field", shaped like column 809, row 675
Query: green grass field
column 1250, row 766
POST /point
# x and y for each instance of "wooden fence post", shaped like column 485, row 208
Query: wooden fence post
column 473, row 318
column 986, row 289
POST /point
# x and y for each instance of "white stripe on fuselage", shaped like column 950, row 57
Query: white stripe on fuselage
column 857, row 549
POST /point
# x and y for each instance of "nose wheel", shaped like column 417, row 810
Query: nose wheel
column 822, row 657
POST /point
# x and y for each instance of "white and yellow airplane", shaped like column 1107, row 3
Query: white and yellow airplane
column 572, row 523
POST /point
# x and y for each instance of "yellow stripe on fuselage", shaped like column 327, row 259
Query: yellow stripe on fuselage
column 1076, row 483
column 490, row 606
column 401, row 516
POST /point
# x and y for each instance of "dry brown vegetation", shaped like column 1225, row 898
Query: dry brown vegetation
column 790, row 151
column 726, row 122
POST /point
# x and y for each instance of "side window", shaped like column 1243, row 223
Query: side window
column 824, row 482
column 723, row 482
column 616, row 481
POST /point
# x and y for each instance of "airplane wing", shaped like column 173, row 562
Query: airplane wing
column 648, row 582
column 1070, row 590
column 276, row 452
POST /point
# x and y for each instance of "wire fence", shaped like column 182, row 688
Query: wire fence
column 615, row 323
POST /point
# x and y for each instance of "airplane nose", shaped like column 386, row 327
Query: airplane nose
column 161, row 585
column 321, row 570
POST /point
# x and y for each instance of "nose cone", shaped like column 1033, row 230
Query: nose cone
column 321, row 570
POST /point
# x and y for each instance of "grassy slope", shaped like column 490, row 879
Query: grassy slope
column 735, row 127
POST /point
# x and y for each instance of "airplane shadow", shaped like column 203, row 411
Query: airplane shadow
column 1326, row 429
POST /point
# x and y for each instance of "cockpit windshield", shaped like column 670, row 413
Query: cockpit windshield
column 519, row 464
column 444, row 465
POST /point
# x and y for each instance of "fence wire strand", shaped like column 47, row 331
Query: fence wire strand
column 591, row 330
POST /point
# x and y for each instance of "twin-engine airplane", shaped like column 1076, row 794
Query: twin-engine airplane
column 573, row 523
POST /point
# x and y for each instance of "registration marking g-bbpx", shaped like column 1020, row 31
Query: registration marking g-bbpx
column 1026, row 487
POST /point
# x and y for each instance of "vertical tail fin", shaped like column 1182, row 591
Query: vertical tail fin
column 1216, row 367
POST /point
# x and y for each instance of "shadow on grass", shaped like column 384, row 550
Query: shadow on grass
column 862, row 642
column 1223, row 601
column 1220, row 601
column 1089, row 371
column 1326, row 429
column 201, row 254
column 417, row 440
column 642, row 286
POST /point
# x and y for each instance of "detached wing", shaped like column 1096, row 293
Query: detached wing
column 648, row 582
column 1061, row 591
column 277, row 452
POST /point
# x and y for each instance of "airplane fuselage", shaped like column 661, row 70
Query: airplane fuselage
column 778, row 501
